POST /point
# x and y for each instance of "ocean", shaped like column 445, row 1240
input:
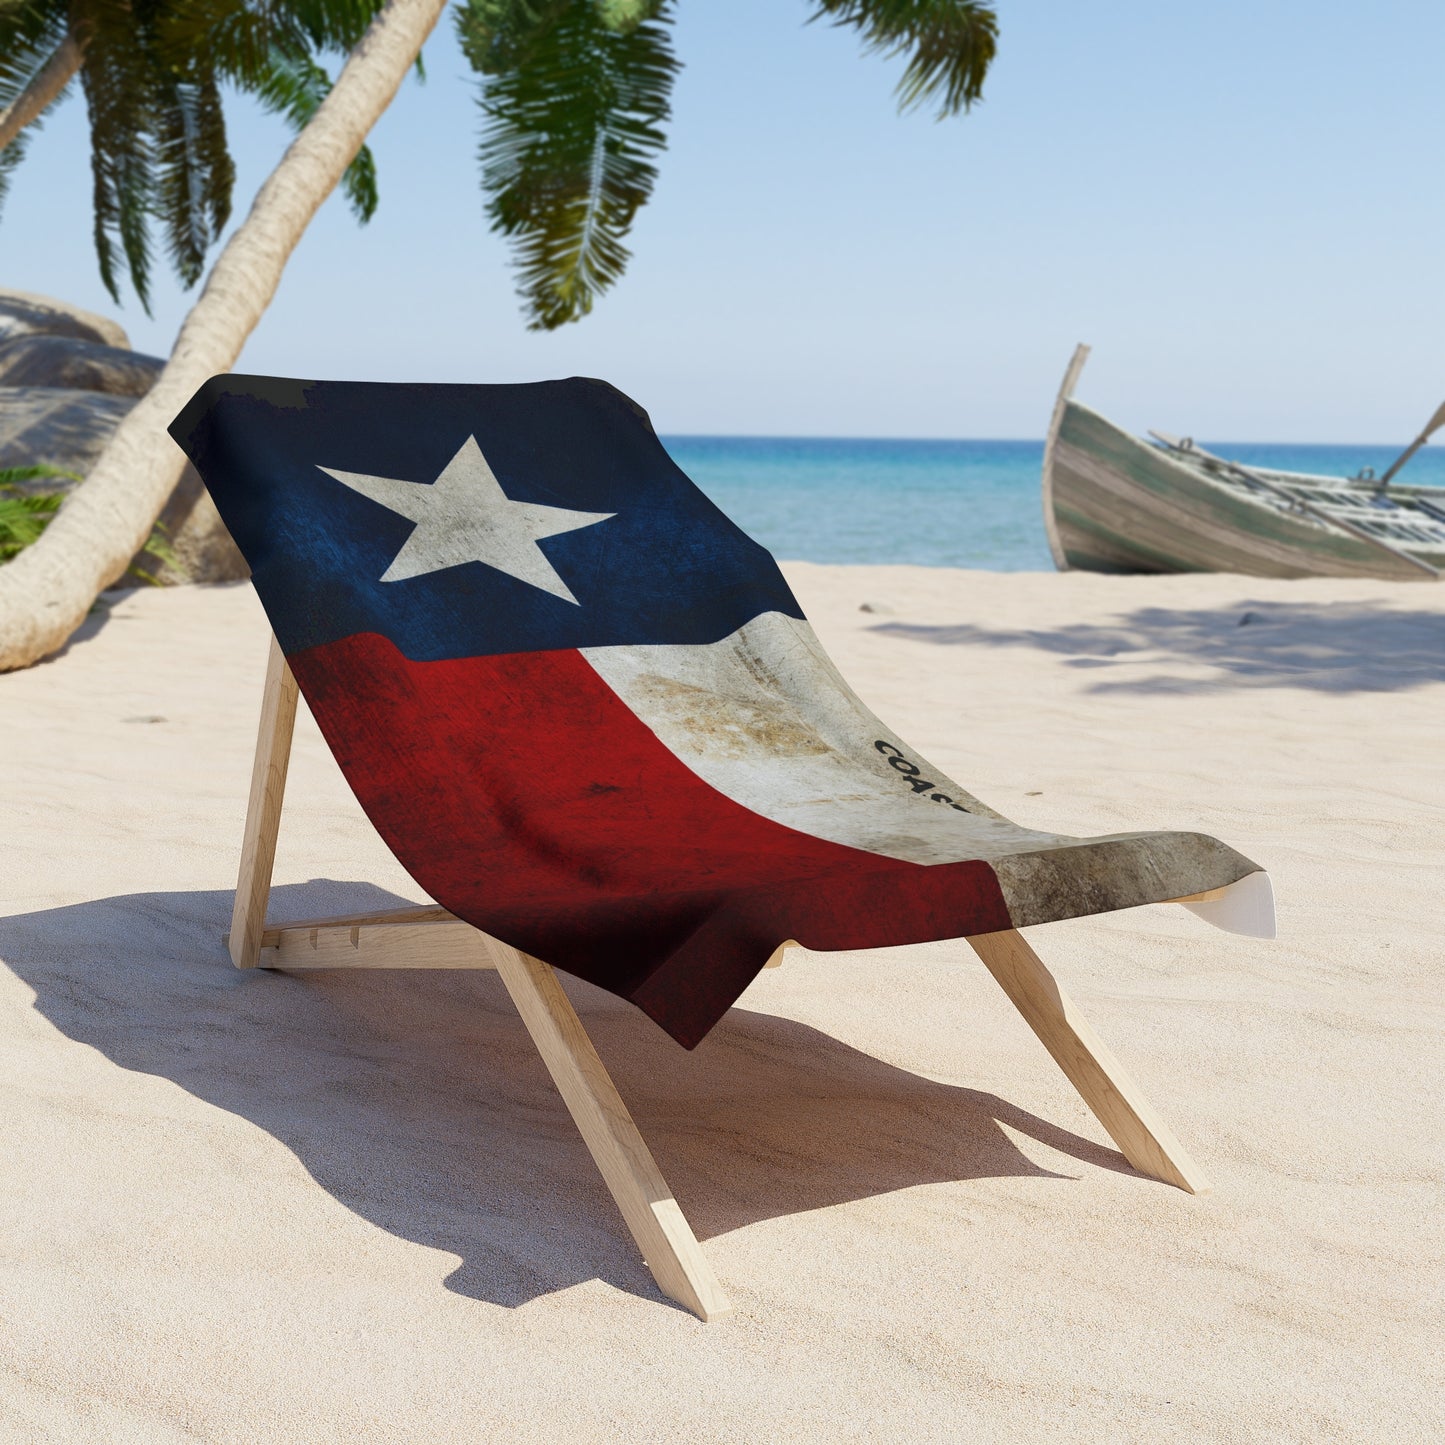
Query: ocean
column 934, row 503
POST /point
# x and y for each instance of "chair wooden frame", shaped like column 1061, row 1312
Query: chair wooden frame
column 428, row 936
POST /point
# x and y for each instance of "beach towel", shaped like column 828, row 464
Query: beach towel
column 585, row 710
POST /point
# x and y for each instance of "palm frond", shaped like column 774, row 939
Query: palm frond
column 293, row 85
column 497, row 34
column 236, row 38
column 30, row 33
column 334, row 24
column 25, row 515
column 117, row 78
column 152, row 72
column 574, row 95
column 10, row 477
column 950, row 45
column 624, row 14
column 268, row 50
column 10, row 157
column 157, row 545
column 194, row 170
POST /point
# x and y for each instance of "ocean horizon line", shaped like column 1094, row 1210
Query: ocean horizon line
column 971, row 502
column 1212, row 444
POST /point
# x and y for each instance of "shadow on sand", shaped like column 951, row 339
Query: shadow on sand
column 416, row 1098
column 1321, row 647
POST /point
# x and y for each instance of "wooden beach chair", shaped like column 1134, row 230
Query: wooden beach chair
column 873, row 846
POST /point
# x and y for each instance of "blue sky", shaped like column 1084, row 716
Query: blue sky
column 1239, row 205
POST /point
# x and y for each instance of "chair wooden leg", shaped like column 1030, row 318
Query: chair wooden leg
column 652, row 1214
column 1142, row 1136
column 662, row 1233
column 263, row 810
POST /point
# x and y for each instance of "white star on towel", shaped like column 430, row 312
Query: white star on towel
column 465, row 516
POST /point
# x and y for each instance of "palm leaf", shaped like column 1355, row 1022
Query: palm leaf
column 574, row 96
column 10, row 477
column 949, row 43
column 152, row 72
column 194, row 170
column 294, row 85
column 11, row 157
column 268, row 50
column 30, row 33
column 29, row 36
column 25, row 515
column 333, row 24
column 116, row 74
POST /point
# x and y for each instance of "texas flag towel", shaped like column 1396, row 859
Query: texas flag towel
column 584, row 709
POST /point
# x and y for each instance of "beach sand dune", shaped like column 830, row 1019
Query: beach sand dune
column 351, row 1208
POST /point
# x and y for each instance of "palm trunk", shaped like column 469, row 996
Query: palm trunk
column 45, row 85
column 47, row 590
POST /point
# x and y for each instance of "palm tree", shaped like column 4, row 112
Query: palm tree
column 575, row 93
column 152, row 76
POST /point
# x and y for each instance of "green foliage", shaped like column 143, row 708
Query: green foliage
column 152, row 73
column 575, row 93
column 118, row 84
column 38, row 471
column 194, row 173
column 295, row 87
column 25, row 515
column 29, row 35
column 270, row 51
column 157, row 545
column 949, row 43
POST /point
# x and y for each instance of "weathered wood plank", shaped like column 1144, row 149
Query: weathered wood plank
column 1121, row 505
column 1066, row 390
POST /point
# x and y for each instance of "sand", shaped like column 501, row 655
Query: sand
column 340, row 1207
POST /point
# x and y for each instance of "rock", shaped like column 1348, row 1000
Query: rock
column 67, row 377
column 58, row 426
column 880, row 607
column 203, row 549
column 25, row 314
column 69, row 429
column 66, row 361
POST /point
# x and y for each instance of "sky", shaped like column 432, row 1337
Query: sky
column 1238, row 205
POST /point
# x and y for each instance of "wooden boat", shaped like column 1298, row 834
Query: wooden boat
column 1116, row 503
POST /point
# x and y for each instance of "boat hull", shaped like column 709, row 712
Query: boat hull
column 1116, row 504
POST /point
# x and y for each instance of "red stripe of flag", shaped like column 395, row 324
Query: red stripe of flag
column 524, row 796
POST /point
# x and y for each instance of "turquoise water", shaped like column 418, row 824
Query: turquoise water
column 933, row 503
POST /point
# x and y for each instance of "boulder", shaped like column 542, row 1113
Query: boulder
column 67, row 377
column 24, row 314
column 69, row 429
column 201, row 546
column 58, row 426
column 66, row 361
